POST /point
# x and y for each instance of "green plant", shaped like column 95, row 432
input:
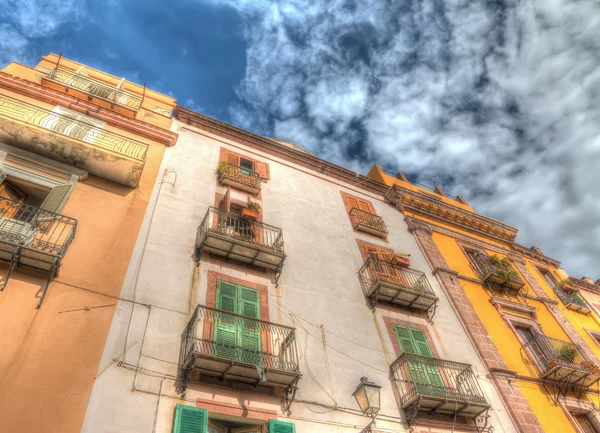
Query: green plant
column 222, row 168
column 503, row 268
column 253, row 206
column 566, row 352
column 565, row 282
column 507, row 274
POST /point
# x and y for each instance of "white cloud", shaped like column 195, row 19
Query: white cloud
column 500, row 100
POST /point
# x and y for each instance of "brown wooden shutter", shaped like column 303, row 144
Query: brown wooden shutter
column 233, row 159
column 363, row 205
column 353, row 203
column 262, row 169
column 226, row 203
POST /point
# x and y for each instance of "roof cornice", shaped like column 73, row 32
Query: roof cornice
column 425, row 205
column 273, row 147
column 37, row 91
column 528, row 252
column 585, row 285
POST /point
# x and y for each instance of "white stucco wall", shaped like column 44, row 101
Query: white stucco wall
column 319, row 286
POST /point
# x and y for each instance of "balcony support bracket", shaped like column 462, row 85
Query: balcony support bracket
column 482, row 422
column 411, row 412
column 431, row 313
column 14, row 261
column 290, row 396
column 43, row 290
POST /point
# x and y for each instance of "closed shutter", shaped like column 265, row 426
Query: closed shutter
column 226, row 203
column 233, row 159
column 353, row 203
column 363, row 205
column 404, row 340
column 281, row 427
column 262, row 169
column 250, row 333
column 225, row 325
column 2, row 176
column 57, row 198
column 190, row 419
column 429, row 372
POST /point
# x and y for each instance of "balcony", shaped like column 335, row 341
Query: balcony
column 563, row 363
column 572, row 300
column 231, row 236
column 435, row 386
column 222, row 346
column 497, row 273
column 34, row 240
column 72, row 141
column 94, row 91
column 368, row 223
column 384, row 281
column 238, row 178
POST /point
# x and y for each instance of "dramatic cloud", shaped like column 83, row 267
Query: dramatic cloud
column 498, row 101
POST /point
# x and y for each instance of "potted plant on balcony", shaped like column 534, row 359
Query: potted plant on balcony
column 503, row 268
column 567, row 285
column 566, row 352
column 222, row 168
column 250, row 212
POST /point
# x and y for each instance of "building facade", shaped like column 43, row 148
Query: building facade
column 80, row 152
column 535, row 328
column 264, row 285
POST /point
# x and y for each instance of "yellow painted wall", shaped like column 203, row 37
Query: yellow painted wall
column 553, row 418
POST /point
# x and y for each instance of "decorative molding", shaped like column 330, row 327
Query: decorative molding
column 138, row 127
column 536, row 254
column 585, row 285
column 421, row 204
column 505, row 306
column 275, row 148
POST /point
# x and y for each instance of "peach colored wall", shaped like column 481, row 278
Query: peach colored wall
column 49, row 357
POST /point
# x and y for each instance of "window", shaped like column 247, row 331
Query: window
column 547, row 275
column 361, row 204
column 584, row 423
column 415, row 341
column 238, row 338
column 247, row 165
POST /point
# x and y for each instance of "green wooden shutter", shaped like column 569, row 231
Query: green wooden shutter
column 428, row 371
column 404, row 339
column 190, row 419
column 57, row 198
column 281, row 427
column 225, row 325
column 250, row 333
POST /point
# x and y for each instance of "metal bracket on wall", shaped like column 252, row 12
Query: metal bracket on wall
column 431, row 313
column 411, row 412
column 43, row 290
column 14, row 261
column 290, row 396
column 482, row 421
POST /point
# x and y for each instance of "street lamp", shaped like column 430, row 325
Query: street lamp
column 367, row 395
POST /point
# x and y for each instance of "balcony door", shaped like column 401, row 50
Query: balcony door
column 584, row 423
column 238, row 338
column 424, row 374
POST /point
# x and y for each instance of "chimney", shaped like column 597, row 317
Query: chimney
column 401, row 176
column 537, row 251
column 587, row 280
column 461, row 199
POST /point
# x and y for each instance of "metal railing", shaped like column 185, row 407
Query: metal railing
column 375, row 270
column 421, row 376
column 569, row 297
column 71, row 127
column 547, row 352
column 225, row 170
column 240, row 338
column 245, row 230
column 484, row 266
column 34, row 228
column 361, row 217
column 96, row 88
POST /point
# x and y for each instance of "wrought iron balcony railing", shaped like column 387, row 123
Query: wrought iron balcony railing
column 563, row 363
column 572, row 300
column 94, row 87
column 384, row 281
column 240, row 229
column 421, row 376
column 238, row 177
column 18, row 110
column 238, row 348
column 504, row 276
column 436, row 386
column 36, row 229
column 368, row 222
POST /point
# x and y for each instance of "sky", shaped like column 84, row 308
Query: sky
column 495, row 100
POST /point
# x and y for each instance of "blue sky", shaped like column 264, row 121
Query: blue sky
column 497, row 101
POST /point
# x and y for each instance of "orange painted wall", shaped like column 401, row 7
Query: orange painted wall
column 49, row 357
